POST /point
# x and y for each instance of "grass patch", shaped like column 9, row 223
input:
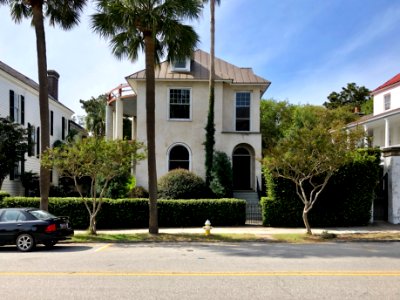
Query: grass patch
column 164, row 237
column 296, row 238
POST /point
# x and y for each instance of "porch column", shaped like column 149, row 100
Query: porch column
column 391, row 156
column 119, row 114
column 109, row 122
column 387, row 133
column 366, row 136
column 134, row 128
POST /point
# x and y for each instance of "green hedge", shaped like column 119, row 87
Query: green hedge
column 346, row 200
column 3, row 194
column 134, row 213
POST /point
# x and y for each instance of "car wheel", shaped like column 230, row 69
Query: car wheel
column 50, row 244
column 25, row 242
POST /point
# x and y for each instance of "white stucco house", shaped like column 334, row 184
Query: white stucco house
column 383, row 129
column 182, row 90
column 19, row 99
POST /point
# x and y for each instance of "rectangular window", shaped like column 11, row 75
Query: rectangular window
column 243, row 111
column 387, row 101
column 17, row 108
column 51, row 122
column 179, row 104
column 181, row 65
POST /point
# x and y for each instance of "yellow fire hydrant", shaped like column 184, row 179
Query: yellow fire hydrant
column 207, row 227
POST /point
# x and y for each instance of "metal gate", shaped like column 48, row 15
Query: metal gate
column 253, row 214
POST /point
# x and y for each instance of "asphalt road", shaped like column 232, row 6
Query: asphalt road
column 203, row 271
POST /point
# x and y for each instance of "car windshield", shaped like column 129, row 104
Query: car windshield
column 42, row 214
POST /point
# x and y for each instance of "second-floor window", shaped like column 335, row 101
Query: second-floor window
column 179, row 104
column 17, row 107
column 242, row 111
column 386, row 99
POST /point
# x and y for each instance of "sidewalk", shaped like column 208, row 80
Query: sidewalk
column 259, row 230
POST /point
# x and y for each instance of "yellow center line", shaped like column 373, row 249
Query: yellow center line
column 102, row 248
column 213, row 274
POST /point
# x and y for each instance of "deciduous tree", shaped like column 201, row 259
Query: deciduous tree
column 313, row 149
column 97, row 159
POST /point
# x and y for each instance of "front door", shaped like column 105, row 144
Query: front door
column 241, row 165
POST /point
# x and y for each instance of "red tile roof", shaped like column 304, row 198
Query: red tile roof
column 395, row 79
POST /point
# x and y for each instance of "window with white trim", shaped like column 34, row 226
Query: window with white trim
column 17, row 107
column 179, row 158
column 180, row 65
column 179, row 104
column 387, row 101
column 242, row 111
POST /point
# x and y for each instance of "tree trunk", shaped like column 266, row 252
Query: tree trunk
column 92, row 225
column 37, row 10
column 210, row 128
column 150, row 125
column 305, row 220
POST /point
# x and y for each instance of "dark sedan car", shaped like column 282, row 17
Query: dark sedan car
column 26, row 227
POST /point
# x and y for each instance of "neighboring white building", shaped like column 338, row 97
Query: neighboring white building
column 383, row 129
column 182, row 90
column 19, row 99
column 383, row 126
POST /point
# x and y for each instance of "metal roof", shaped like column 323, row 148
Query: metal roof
column 199, row 70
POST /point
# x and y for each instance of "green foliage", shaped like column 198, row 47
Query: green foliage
column 134, row 213
column 95, row 120
column 368, row 107
column 138, row 192
column 97, row 159
column 30, row 181
column 210, row 138
column 351, row 96
column 13, row 145
column 181, row 184
column 275, row 119
column 222, row 177
column 3, row 194
column 346, row 200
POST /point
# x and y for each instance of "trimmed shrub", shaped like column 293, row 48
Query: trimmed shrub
column 3, row 194
column 346, row 200
column 134, row 213
column 181, row 184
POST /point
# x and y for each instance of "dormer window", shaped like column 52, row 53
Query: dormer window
column 387, row 101
column 181, row 65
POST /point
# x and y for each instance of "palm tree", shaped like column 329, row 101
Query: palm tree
column 155, row 27
column 210, row 127
column 65, row 13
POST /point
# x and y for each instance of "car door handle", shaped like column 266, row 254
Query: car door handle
column 19, row 224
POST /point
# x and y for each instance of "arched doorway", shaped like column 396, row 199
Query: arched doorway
column 241, row 165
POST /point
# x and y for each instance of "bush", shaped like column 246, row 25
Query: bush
column 181, row 184
column 346, row 200
column 3, row 194
column 134, row 213
column 221, row 176
column 138, row 192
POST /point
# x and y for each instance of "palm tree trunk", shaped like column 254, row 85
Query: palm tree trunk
column 150, row 124
column 37, row 10
column 210, row 128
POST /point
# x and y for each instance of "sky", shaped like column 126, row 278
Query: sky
column 306, row 48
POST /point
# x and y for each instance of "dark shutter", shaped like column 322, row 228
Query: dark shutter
column 63, row 128
column 22, row 110
column 30, row 142
column 22, row 166
column 51, row 122
column 12, row 105
column 38, row 141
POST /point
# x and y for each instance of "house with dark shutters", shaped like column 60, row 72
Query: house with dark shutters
column 19, row 100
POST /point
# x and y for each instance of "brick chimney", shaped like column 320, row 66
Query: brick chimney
column 53, row 83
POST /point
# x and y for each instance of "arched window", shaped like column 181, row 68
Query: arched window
column 179, row 158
